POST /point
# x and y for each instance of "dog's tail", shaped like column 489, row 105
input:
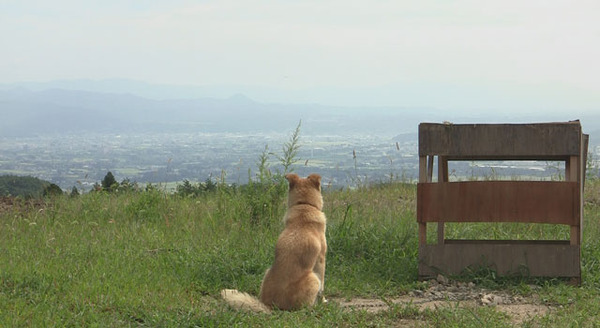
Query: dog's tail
column 243, row 301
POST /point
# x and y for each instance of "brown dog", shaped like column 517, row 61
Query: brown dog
column 297, row 276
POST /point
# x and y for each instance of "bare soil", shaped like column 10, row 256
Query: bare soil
column 8, row 204
column 442, row 293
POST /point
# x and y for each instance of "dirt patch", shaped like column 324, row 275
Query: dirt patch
column 442, row 293
column 8, row 204
column 520, row 313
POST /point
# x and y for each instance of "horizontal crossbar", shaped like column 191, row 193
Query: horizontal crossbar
column 534, row 258
column 499, row 201
column 542, row 141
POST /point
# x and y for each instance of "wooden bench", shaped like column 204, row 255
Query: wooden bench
column 551, row 202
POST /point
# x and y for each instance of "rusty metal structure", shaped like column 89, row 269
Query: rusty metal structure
column 549, row 202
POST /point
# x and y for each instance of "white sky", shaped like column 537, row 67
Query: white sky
column 539, row 53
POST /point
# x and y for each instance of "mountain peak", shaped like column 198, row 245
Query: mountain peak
column 240, row 98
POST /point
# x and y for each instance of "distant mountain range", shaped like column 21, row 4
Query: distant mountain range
column 119, row 106
column 27, row 112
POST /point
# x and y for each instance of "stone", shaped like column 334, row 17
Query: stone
column 491, row 300
column 441, row 279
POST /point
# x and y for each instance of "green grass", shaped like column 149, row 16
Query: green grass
column 156, row 260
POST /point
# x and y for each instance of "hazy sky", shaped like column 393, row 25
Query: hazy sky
column 512, row 53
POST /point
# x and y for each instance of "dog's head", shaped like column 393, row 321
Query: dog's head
column 305, row 190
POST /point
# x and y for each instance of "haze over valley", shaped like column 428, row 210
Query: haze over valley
column 73, row 137
column 160, row 91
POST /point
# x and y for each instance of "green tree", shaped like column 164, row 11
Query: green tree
column 52, row 190
column 209, row 185
column 22, row 186
column 127, row 185
column 185, row 189
column 109, row 183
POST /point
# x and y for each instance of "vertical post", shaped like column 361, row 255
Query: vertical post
column 423, row 169
column 442, row 178
column 423, row 178
column 443, row 169
column 572, row 174
column 430, row 168
column 584, row 152
column 422, row 233
column 582, row 173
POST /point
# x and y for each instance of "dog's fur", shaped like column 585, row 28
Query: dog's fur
column 297, row 276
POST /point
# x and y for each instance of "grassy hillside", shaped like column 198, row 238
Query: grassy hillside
column 156, row 260
column 22, row 186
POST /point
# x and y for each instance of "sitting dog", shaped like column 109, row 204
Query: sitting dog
column 297, row 276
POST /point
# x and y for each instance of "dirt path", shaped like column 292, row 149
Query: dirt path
column 442, row 293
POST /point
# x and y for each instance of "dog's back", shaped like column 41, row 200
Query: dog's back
column 297, row 276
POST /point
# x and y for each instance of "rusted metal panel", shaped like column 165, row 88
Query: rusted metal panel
column 499, row 201
column 506, row 141
column 527, row 258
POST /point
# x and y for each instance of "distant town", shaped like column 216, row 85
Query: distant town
column 72, row 138
column 81, row 160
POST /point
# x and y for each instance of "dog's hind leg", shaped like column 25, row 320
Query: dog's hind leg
column 303, row 292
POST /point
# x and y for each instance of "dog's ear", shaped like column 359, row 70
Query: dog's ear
column 292, row 178
column 315, row 179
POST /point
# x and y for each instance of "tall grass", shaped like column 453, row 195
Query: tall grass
column 152, row 259
column 104, row 257
column 370, row 238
